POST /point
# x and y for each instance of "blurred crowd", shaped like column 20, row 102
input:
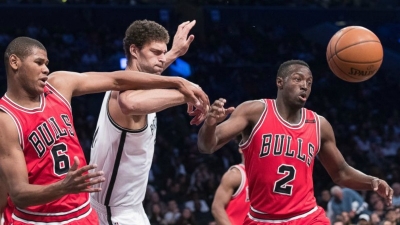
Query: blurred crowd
column 291, row 3
column 239, row 62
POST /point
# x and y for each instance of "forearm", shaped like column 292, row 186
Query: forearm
column 131, row 80
column 149, row 101
column 353, row 179
column 220, row 216
column 207, row 139
column 29, row 195
column 170, row 57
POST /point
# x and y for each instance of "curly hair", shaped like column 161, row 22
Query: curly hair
column 142, row 32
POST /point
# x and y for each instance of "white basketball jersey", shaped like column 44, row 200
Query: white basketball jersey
column 125, row 157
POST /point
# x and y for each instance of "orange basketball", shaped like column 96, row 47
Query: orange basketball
column 354, row 54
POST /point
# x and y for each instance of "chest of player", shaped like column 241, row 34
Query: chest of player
column 284, row 145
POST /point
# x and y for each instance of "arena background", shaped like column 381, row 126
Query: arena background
column 237, row 49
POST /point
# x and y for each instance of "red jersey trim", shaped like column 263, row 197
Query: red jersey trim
column 284, row 122
column 52, row 218
column 240, row 167
column 17, row 123
column 26, row 110
column 263, row 217
column 60, row 96
column 318, row 129
column 257, row 126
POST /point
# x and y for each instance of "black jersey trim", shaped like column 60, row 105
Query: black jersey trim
column 116, row 125
column 114, row 175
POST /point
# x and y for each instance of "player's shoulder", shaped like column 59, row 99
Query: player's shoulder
column 232, row 177
column 252, row 105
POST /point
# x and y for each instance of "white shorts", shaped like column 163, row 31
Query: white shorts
column 132, row 215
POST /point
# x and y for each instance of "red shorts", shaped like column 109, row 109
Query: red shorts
column 90, row 219
column 316, row 218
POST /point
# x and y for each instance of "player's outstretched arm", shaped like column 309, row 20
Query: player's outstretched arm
column 14, row 172
column 213, row 134
column 230, row 182
column 75, row 84
column 142, row 102
column 181, row 42
column 342, row 173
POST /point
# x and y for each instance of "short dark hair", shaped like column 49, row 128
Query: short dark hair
column 21, row 47
column 142, row 32
column 286, row 68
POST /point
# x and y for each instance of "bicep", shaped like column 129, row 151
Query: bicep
column 329, row 155
column 12, row 161
column 229, row 183
column 71, row 84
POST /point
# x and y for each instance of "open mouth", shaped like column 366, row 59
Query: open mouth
column 303, row 97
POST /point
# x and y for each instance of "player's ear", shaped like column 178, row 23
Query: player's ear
column 279, row 82
column 13, row 61
column 134, row 50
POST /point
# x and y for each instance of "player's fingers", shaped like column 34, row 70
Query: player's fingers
column 190, row 39
column 189, row 108
column 86, row 168
column 90, row 190
column 89, row 176
column 375, row 184
column 182, row 25
column 229, row 110
column 75, row 166
column 189, row 26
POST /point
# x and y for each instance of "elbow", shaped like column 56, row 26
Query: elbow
column 19, row 201
column 129, row 108
column 204, row 150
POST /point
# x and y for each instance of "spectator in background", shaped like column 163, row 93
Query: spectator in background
column 396, row 194
column 346, row 200
column 363, row 219
column 324, row 199
column 157, row 217
column 173, row 213
column 186, row 218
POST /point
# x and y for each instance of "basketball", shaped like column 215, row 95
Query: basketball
column 354, row 54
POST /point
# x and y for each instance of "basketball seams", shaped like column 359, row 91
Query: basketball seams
column 353, row 54
column 334, row 46
column 361, row 42
column 340, row 69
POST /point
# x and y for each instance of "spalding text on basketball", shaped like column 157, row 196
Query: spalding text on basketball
column 357, row 72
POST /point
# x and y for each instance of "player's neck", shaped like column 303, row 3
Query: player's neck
column 290, row 114
column 23, row 98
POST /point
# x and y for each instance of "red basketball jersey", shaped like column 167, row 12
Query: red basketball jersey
column 239, row 205
column 279, row 164
column 49, row 143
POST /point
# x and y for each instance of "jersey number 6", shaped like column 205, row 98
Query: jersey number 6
column 60, row 159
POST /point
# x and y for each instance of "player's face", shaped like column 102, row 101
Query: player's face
column 33, row 72
column 297, row 86
column 151, row 58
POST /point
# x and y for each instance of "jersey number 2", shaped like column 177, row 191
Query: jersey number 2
column 60, row 159
column 281, row 186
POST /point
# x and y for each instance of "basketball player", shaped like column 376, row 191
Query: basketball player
column 41, row 160
column 280, row 140
column 123, row 143
column 231, row 201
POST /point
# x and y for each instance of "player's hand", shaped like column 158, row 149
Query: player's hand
column 383, row 189
column 198, row 115
column 194, row 95
column 79, row 180
column 217, row 112
column 182, row 41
